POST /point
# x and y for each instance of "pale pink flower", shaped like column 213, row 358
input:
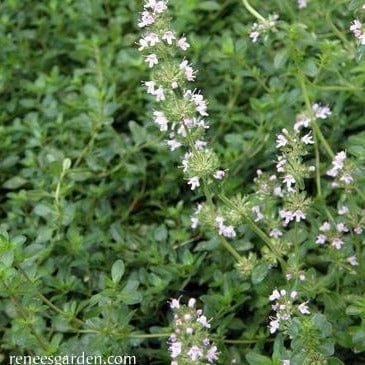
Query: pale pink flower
column 321, row 239
column 321, row 111
column 212, row 354
column 160, row 95
column 194, row 182
column 337, row 243
column 169, row 36
column 352, row 260
column 160, row 120
column 219, row 174
column 183, row 44
column 151, row 60
column 195, row 353
column 303, row 308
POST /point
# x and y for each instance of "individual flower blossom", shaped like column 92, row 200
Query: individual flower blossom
column 352, row 260
column 195, row 353
column 183, row 44
column 308, row 138
column 303, row 308
column 142, row 44
column 281, row 139
column 169, row 36
column 160, row 120
column 175, row 303
column 321, row 239
column 325, row 227
column 152, row 60
column 321, row 111
column 189, row 72
column 254, row 34
column 347, row 179
column 152, row 39
column 194, row 182
column 280, row 164
column 212, row 354
column 257, row 211
column 337, row 243
column 302, row 4
column 173, row 144
column 219, row 174
column 146, row 19
column 358, row 230
column 203, row 321
column 343, row 210
column 194, row 222
column 199, row 145
column 340, row 227
column 302, row 121
column 175, row 349
column 275, row 233
column 285, row 362
column 150, row 87
column 160, row 95
column 289, row 181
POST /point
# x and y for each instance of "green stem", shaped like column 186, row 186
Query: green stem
column 230, row 248
column 254, row 12
column 209, row 198
column 256, row 229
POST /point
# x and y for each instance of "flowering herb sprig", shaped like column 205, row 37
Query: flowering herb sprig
column 190, row 343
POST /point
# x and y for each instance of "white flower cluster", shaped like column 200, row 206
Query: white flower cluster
column 189, row 343
column 357, row 29
column 263, row 27
column 284, row 308
column 340, row 171
column 182, row 110
column 334, row 233
column 319, row 111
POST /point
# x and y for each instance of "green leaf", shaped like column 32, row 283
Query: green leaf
column 14, row 183
column 281, row 57
column 256, row 359
column 259, row 272
column 117, row 271
column 209, row 5
column 91, row 91
column 310, row 68
column 139, row 133
column 7, row 258
column 160, row 233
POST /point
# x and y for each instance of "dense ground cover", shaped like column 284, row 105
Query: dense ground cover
column 95, row 211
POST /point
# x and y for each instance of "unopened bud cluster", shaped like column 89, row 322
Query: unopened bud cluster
column 190, row 343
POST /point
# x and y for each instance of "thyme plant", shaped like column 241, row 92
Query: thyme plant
column 293, row 220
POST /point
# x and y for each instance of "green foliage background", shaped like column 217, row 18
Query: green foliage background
column 98, row 247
